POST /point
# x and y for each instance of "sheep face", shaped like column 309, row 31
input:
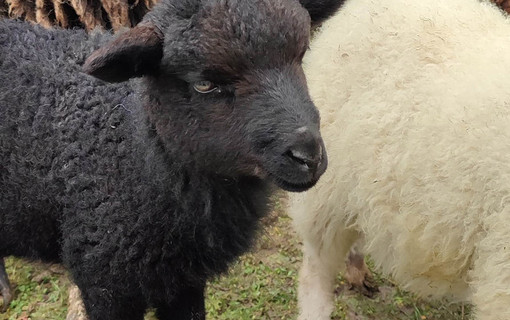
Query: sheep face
column 224, row 86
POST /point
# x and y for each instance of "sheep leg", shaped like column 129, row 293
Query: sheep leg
column 75, row 309
column 102, row 303
column 490, row 277
column 5, row 286
column 322, row 261
column 189, row 305
column 359, row 276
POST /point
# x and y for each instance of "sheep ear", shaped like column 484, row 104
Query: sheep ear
column 133, row 54
column 320, row 10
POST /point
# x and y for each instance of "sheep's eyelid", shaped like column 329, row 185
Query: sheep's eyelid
column 191, row 77
column 216, row 88
column 194, row 77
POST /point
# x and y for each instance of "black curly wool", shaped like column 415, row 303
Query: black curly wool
column 145, row 189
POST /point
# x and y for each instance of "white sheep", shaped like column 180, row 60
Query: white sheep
column 415, row 108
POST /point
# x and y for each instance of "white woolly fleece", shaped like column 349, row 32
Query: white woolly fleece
column 415, row 104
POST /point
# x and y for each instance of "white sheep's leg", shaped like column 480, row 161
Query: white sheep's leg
column 321, row 263
column 490, row 277
column 76, row 309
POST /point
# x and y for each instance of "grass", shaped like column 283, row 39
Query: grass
column 40, row 291
column 261, row 285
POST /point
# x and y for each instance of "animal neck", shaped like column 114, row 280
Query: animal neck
column 193, row 181
column 196, row 205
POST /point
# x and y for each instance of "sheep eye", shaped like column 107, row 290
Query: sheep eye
column 204, row 86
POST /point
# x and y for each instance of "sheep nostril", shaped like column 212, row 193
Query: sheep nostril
column 304, row 159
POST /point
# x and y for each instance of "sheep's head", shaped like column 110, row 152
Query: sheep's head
column 224, row 85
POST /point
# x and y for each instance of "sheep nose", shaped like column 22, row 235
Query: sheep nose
column 306, row 151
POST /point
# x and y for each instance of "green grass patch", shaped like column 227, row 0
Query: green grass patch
column 40, row 291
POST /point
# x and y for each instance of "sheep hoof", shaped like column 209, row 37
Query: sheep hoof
column 368, row 288
column 359, row 276
column 7, row 298
column 5, row 287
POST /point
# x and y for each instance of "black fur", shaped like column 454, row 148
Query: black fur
column 320, row 10
column 146, row 193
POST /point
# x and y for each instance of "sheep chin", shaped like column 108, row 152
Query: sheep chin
column 259, row 173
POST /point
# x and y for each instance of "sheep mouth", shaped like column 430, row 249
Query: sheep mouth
column 283, row 183
column 293, row 186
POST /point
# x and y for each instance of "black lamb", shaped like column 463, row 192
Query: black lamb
column 145, row 189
